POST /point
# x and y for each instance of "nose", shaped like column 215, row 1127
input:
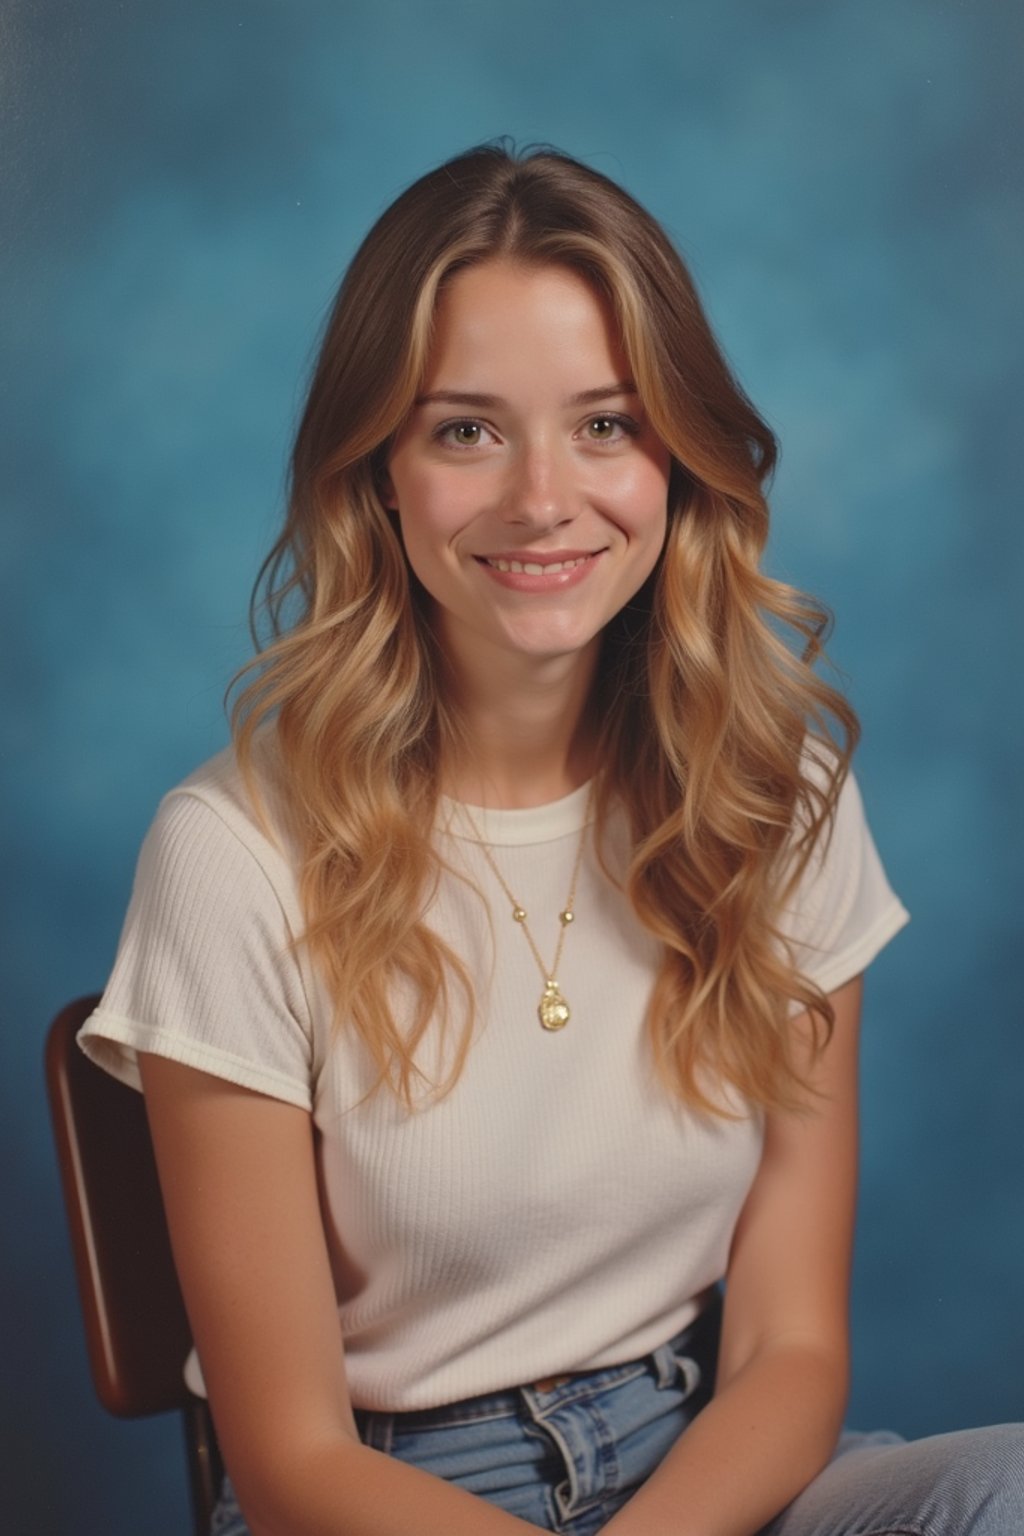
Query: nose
column 539, row 492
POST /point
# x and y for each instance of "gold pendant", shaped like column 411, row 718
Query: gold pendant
column 553, row 1010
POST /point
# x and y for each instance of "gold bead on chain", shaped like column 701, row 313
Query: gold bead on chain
column 553, row 1009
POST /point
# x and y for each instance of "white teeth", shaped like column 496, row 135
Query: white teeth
column 532, row 568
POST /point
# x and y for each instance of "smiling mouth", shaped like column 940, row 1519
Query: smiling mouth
column 533, row 567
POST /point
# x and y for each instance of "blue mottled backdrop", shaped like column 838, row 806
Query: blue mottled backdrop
column 181, row 186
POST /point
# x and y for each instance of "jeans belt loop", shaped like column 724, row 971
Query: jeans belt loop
column 670, row 1369
column 663, row 1362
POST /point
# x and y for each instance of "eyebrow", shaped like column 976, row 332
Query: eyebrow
column 488, row 402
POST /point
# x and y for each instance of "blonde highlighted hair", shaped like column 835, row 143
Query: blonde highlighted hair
column 710, row 705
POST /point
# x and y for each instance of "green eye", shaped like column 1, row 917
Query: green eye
column 464, row 434
column 603, row 427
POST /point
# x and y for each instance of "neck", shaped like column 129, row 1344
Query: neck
column 528, row 730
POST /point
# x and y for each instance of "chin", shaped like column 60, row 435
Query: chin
column 551, row 647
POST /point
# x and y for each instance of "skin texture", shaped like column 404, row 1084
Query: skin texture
column 527, row 466
column 539, row 447
column 545, row 467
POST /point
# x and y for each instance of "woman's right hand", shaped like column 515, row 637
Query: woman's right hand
column 238, row 1175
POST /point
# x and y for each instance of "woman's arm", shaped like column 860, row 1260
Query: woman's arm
column 784, row 1365
column 239, row 1184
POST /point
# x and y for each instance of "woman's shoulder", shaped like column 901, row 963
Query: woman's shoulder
column 842, row 910
column 249, row 796
column 220, row 804
column 206, row 971
column 219, row 842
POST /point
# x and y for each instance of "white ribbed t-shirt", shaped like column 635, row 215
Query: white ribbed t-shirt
column 557, row 1211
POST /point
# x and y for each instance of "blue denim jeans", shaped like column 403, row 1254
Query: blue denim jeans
column 566, row 1456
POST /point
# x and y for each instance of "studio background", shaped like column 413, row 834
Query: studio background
column 181, row 188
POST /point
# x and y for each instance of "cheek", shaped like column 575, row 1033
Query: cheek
column 429, row 519
column 433, row 510
column 648, row 526
column 641, row 499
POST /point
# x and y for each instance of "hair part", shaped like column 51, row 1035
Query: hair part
column 713, row 664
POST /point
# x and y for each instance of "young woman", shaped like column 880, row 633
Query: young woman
column 496, row 996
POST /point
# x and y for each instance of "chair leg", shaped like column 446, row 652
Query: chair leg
column 205, row 1464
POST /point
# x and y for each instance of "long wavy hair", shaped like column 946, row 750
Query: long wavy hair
column 717, row 735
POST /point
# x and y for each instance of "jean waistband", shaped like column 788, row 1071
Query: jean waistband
column 697, row 1343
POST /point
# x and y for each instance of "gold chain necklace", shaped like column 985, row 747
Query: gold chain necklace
column 552, row 1010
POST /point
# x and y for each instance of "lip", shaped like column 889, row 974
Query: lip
column 539, row 556
column 543, row 579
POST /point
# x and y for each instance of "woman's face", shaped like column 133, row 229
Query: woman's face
column 530, row 489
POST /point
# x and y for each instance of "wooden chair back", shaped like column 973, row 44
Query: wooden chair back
column 136, row 1329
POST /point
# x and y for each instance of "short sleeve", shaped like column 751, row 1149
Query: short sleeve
column 205, row 972
column 843, row 911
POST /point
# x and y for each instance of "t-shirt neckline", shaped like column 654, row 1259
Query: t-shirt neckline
column 530, row 824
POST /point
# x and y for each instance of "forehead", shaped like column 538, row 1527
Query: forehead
column 502, row 314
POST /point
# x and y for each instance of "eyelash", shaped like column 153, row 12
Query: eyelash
column 626, row 424
column 441, row 433
column 630, row 427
